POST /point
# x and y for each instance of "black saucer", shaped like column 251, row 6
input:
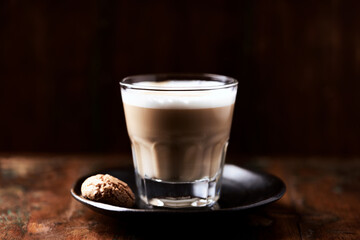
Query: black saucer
column 241, row 189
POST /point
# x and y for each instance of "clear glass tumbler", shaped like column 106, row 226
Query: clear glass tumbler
column 179, row 126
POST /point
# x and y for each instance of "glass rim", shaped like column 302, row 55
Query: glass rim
column 128, row 82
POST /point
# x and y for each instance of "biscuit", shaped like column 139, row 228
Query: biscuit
column 108, row 189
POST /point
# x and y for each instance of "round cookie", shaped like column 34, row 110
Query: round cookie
column 108, row 189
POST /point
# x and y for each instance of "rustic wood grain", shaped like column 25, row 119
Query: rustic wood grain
column 322, row 202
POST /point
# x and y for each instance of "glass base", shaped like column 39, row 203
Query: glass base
column 180, row 203
column 200, row 193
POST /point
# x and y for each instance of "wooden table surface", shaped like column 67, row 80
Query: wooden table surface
column 322, row 202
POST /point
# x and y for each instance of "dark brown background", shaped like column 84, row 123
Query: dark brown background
column 298, row 64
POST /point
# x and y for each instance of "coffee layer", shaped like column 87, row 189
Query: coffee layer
column 180, row 145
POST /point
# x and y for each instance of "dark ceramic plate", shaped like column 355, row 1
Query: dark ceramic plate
column 241, row 189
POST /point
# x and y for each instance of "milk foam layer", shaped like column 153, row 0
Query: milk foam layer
column 173, row 98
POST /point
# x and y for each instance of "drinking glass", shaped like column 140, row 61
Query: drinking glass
column 179, row 127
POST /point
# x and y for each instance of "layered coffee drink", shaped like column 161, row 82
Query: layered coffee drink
column 179, row 131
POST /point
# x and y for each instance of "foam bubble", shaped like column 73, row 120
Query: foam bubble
column 217, row 97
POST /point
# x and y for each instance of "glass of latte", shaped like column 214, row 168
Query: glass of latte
column 179, row 127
